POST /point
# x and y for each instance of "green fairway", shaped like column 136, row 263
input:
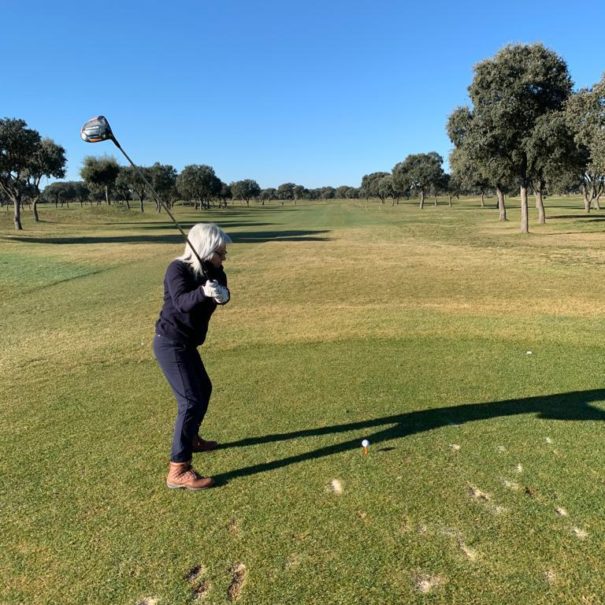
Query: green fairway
column 469, row 355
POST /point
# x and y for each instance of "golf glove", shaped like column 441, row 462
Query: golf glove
column 212, row 289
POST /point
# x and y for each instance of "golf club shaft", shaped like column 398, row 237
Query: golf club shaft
column 161, row 203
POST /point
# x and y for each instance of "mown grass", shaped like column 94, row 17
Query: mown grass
column 468, row 354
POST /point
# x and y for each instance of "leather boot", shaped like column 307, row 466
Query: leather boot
column 201, row 445
column 183, row 475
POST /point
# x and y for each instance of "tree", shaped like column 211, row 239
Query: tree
column 129, row 182
column 509, row 93
column 48, row 161
column 100, row 174
column 268, row 194
column 198, row 183
column 585, row 114
column 473, row 167
column 225, row 194
column 551, row 153
column 286, row 191
column 369, row 184
column 245, row 190
column 299, row 192
column 18, row 145
column 385, row 188
column 418, row 173
column 163, row 178
column 352, row 193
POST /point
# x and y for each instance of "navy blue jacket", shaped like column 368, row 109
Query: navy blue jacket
column 186, row 312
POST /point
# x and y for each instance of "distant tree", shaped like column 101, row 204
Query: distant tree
column 369, row 184
column 299, row 192
column 270, row 193
column 418, row 173
column 225, row 194
column 245, row 190
column 48, row 161
column 327, row 193
column 163, row 178
column 199, row 184
column 18, row 145
column 61, row 192
column 385, row 188
column 100, row 174
column 286, row 191
column 130, row 183
column 122, row 186
column 352, row 193
column 57, row 192
column 585, row 114
column 341, row 192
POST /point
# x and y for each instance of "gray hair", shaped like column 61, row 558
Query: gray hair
column 206, row 239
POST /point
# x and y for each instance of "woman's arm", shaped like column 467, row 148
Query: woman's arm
column 178, row 282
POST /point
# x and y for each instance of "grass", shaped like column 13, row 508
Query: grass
column 468, row 354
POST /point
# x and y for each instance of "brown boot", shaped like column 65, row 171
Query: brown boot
column 201, row 445
column 183, row 475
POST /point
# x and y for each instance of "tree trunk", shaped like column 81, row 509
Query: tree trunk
column 587, row 199
column 450, row 201
column 482, row 199
column 524, row 210
column 501, row 204
column 540, row 207
column 36, row 216
column 421, row 199
column 17, row 215
column 107, row 195
column 141, row 206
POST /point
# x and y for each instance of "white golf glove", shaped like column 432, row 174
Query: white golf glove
column 212, row 289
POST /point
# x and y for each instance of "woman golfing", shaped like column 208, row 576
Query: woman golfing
column 194, row 285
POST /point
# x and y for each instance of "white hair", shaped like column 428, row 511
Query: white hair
column 206, row 239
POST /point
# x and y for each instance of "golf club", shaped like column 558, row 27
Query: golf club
column 96, row 130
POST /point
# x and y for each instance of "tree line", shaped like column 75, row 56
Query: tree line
column 526, row 131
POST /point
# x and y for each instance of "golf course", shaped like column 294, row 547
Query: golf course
column 468, row 354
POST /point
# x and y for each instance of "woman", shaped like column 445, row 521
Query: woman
column 192, row 292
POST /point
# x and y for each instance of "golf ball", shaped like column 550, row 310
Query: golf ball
column 365, row 443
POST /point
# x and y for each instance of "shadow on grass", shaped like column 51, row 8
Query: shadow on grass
column 254, row 237
column 562, row 406
column 589, row 218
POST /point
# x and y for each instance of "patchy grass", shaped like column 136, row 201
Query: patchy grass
column 468, row 354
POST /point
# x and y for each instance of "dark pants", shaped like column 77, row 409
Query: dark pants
column 185, row 372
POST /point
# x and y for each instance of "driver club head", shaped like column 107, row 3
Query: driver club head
column 97, row 129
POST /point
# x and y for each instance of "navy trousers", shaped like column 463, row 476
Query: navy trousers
column 183, row 368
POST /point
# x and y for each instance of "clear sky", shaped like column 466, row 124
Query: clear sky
column 316, row 92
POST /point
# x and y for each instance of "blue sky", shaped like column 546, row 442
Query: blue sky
column 315, row 92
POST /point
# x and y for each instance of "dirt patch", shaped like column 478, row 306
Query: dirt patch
column 335, row 487
column 477, row 494
column 239, row 574
column 194, row 573
column 201, row 590
column 426, row 583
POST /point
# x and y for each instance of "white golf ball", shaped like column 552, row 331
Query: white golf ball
column 365, row 443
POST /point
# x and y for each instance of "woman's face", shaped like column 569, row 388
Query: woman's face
column 219, row 255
